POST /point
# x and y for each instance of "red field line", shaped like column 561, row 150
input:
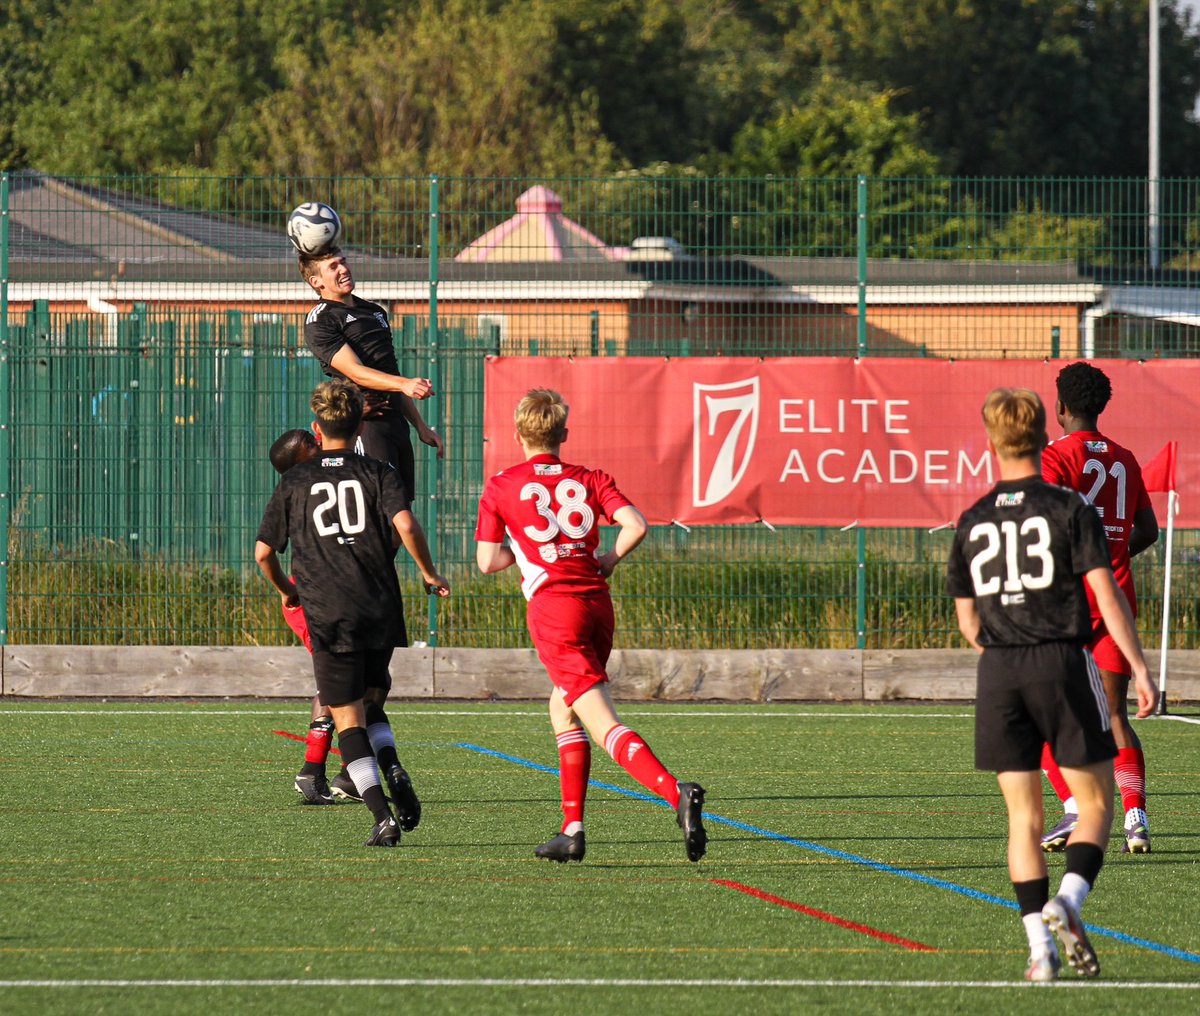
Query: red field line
column 821, row 915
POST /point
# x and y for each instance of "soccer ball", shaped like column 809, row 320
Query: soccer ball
column 313, row 227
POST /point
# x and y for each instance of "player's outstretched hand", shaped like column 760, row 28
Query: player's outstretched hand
column 432, row 438
column 436, row 585
column 1147, row 693
column 417, row 387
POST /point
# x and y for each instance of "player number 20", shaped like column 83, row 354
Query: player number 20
column 573, row 518
column 1032, row 540
column 346, row 501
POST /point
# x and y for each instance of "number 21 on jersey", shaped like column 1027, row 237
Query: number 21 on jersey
column 573, row 517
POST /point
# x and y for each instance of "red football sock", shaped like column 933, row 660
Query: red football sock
column 633, row 755
column 319, row 741
column 1129, row 767
column 574, row 768
column 1054, row 775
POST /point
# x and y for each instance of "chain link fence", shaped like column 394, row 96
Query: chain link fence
column 152, row 338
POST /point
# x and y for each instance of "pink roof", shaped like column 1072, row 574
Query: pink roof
column 538, row 232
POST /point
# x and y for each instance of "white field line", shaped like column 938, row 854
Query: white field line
column 699, row 713
column 597, row 982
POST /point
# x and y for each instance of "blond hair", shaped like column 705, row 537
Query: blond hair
column 541, row 419
column 1016, row 422
column 338, row 407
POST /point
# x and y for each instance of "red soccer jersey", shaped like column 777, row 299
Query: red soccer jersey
column 1111, row 480
column 550, row 510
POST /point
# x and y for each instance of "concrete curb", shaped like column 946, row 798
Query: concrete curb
column 650, row 675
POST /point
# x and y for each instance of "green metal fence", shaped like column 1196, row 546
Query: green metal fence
column 151, row 349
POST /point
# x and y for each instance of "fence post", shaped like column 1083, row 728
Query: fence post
column 431, row 528
column 5, row 432
column 860, row 584
column 862, row 265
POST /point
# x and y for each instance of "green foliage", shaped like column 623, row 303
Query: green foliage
column 1024, row 234
column 838, row 128
column 1007, row 87
column 25, row 27
column 586, row 87
column 164, row 94
column 446, row 89
column 795, row 593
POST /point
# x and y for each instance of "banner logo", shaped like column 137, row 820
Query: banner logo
column 724, row 431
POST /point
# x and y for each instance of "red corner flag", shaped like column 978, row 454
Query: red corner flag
column 1159, row 472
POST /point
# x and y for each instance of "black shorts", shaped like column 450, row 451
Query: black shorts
column 343, row 678
column 386, row 438
column 1027, row 696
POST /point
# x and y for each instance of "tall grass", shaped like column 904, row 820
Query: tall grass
column 798, row 593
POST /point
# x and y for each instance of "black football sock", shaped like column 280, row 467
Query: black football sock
column 360, row 764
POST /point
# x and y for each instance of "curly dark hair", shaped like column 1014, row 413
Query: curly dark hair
column 1084, row 389
column 289, row 449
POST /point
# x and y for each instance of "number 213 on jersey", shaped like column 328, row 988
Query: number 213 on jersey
column 1024, row 546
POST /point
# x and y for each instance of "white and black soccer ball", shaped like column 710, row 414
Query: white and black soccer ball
column 314, row 228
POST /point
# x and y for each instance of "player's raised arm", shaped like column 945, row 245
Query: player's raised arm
column 347, row 362
column 413, row 538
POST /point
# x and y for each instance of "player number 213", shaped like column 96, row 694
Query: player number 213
column 573, row 518
column 1030, row 541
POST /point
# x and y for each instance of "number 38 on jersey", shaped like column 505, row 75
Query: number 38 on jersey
column 1011, row 558
column 567, row 512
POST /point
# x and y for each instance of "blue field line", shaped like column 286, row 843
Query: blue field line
column 841, row 855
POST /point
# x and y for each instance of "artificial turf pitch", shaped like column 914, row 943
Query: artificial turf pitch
column 155, row 859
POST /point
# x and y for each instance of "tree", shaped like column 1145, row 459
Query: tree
column 837, row 128
column 447, row 88
column 1013, row 87
column 136, row 86
column 24, row 27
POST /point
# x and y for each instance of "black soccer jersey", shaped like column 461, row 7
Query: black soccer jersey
column 1021, row 552
column 364, row 327
column 336, row 510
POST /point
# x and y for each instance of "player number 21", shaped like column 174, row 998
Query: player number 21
column 1032, row 539
column 574, row 517
column 1117, row 472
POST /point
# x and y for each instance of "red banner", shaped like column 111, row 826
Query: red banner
column 818, row 441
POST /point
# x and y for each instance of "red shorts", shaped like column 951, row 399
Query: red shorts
column 294, row 616
column 1105, row 651
column 573, row 636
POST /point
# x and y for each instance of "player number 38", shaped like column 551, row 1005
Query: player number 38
column 574, row 517
column 1030, row 542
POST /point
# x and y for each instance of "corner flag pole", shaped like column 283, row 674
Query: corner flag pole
column 1172, row 511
